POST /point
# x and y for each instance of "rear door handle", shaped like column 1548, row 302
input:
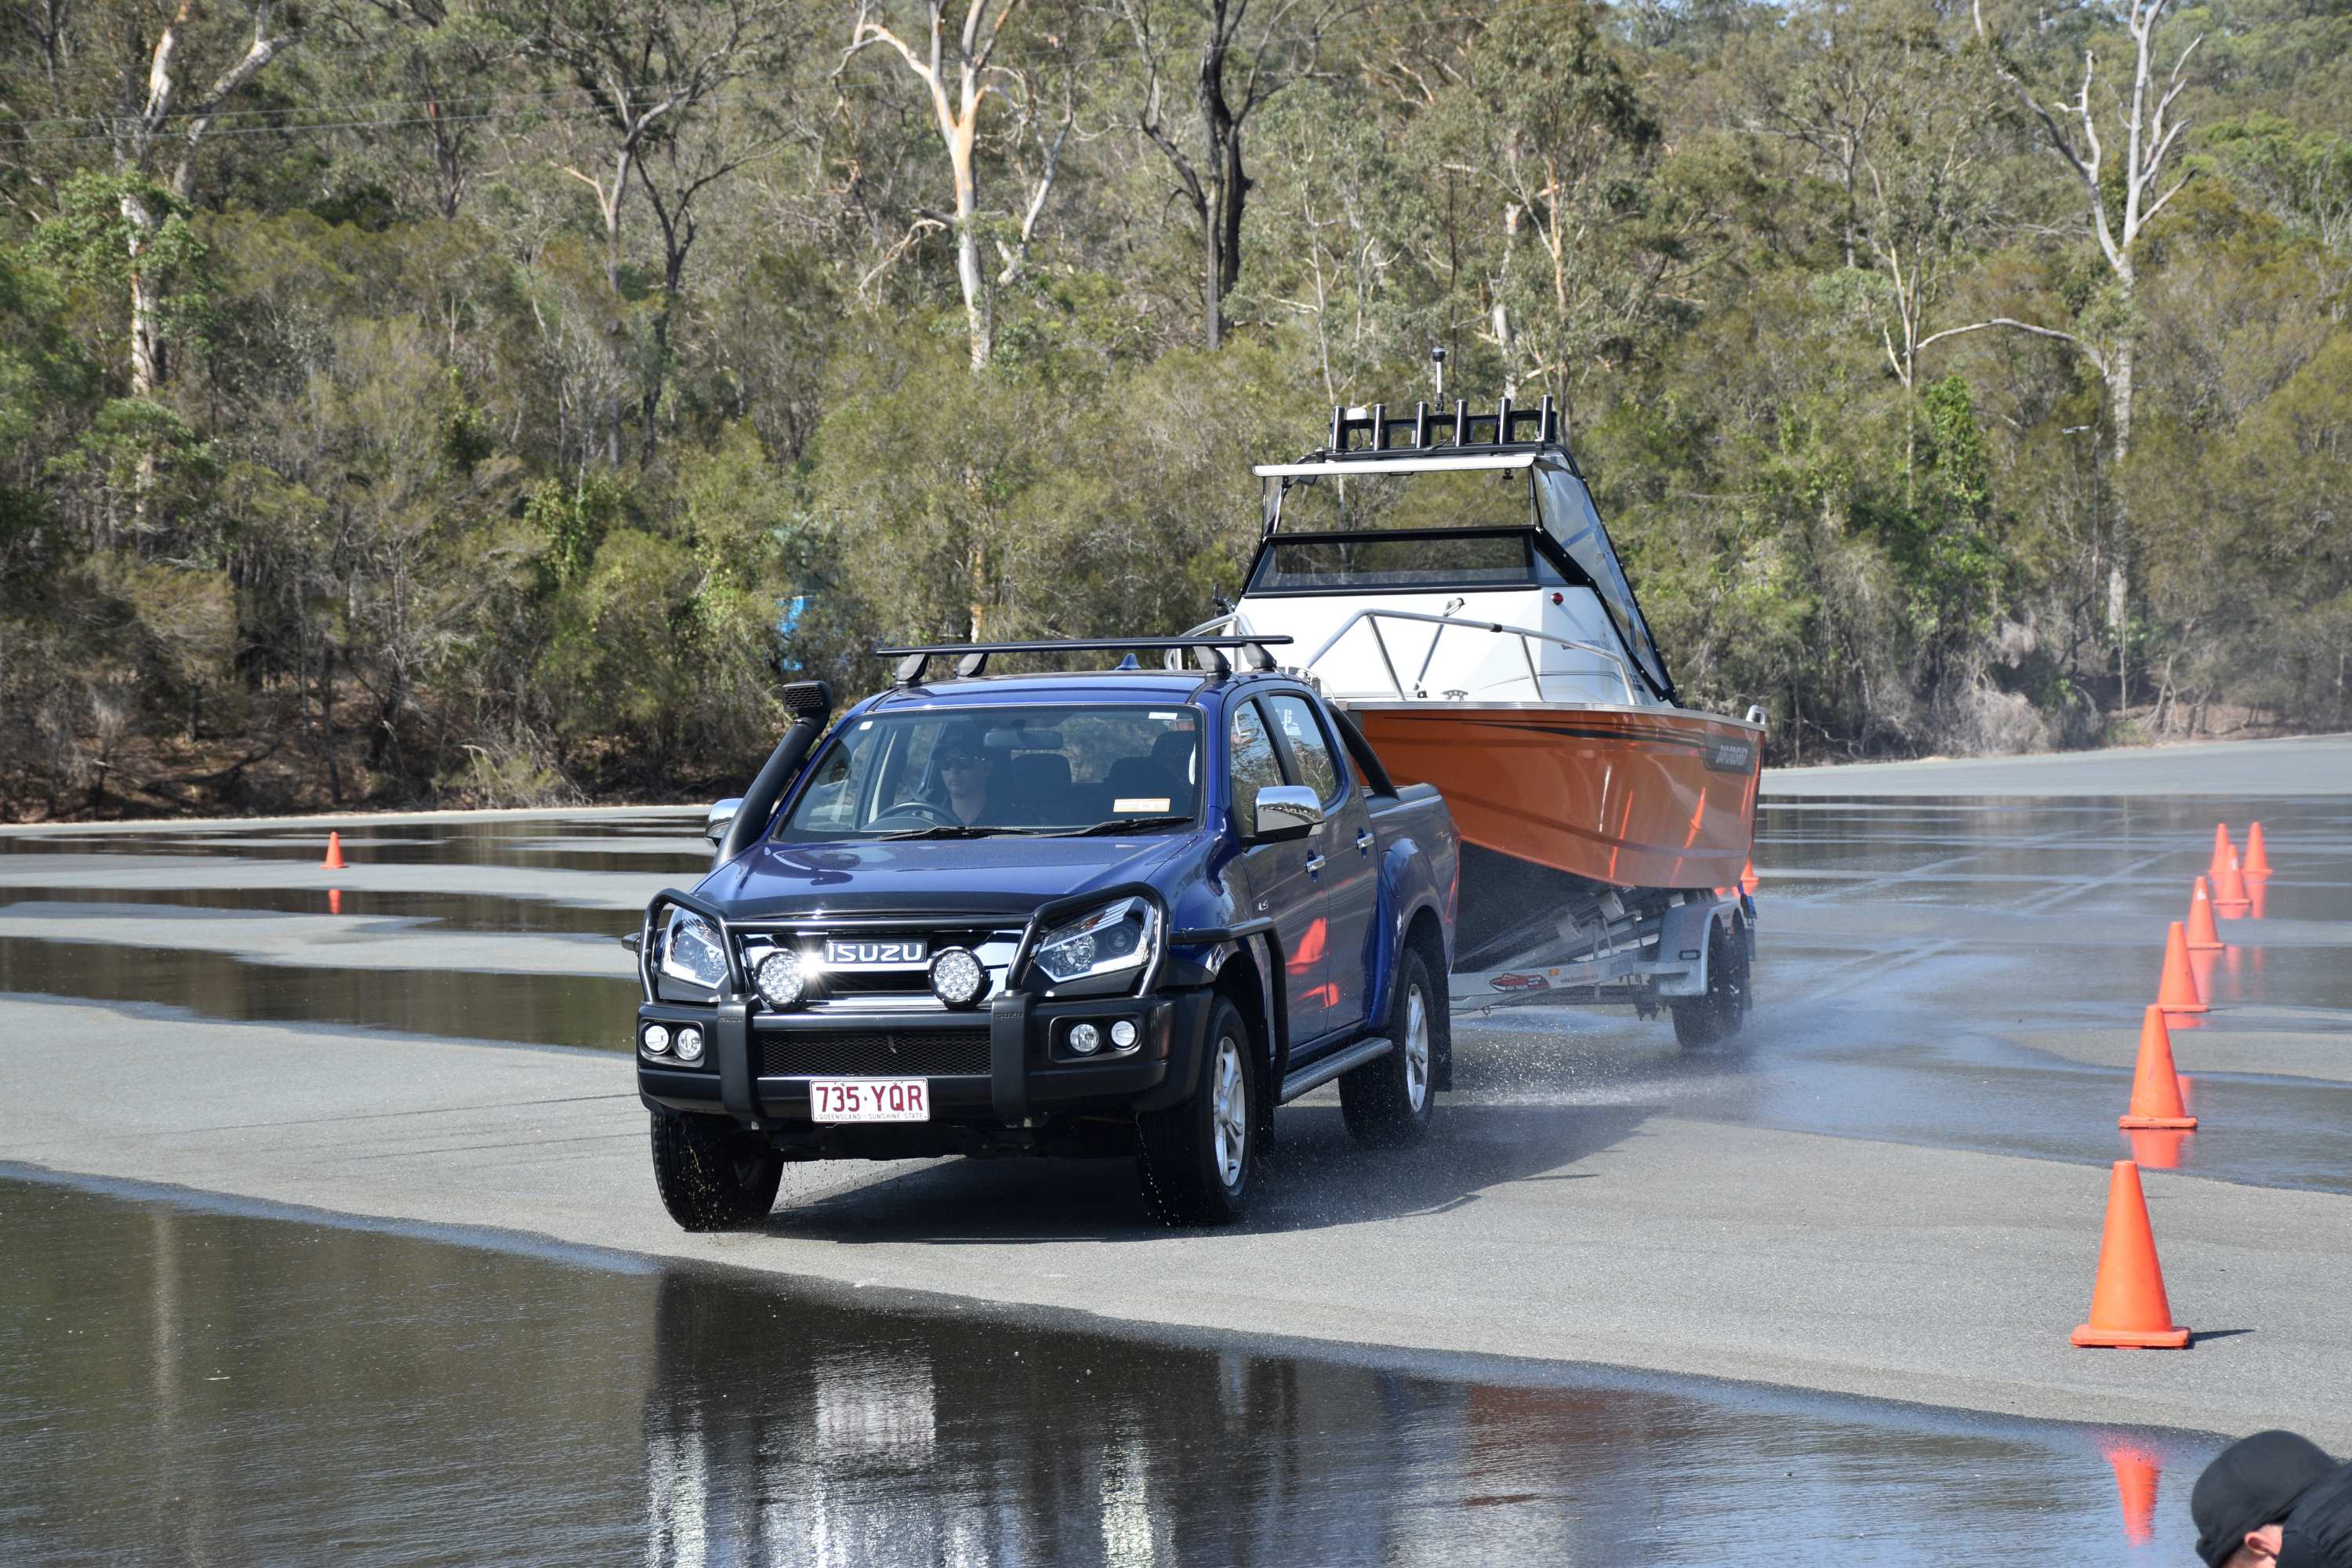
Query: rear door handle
column 1314, row 864
column 1364, row 840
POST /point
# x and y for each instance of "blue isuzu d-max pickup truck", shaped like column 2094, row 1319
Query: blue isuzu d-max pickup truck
column 1119, row 912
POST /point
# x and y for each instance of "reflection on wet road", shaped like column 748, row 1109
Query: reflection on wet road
column 1970, row 976
column 209, row 1383
column 202, row 1384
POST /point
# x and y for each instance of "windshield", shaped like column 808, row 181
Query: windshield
column 1491, row 558
column 1458, row 498
column 971, row 770
column 1571, row 516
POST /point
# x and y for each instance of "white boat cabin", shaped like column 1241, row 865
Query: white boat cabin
column 1419, row 575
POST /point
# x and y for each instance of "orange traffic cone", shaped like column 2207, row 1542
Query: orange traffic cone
column 2257, row 864
column 334, row 861
column 2128, row 1310
column 2221, row 852
column 2177, row 992
column 1749, row 880
column 2155, row 1087
column 2136, row 1473
column 334, row 900
column 2202, row 935
column 2230, row 899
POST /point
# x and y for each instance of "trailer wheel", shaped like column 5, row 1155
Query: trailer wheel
column 1716, row 1016
column 1388, row 1102
column 712, row 1174
column 1198, row 1157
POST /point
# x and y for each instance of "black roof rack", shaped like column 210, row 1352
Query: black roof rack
column 972, row 658
column 1366, row 432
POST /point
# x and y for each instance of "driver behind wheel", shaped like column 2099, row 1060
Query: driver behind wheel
column 963, row 767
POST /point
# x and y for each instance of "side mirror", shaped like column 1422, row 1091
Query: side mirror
column 721, row 817
column 1285, row 811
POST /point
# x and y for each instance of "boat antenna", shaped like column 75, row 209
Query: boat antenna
column 1437, row 359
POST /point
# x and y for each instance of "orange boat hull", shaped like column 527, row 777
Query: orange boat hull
column 1635, row 797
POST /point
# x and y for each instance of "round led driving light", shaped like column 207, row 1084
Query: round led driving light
column 689, row 1044
column 780, row 979
column 957, row 978
column 1085, row 1039
column 1122, row 1033
column 656, row 1039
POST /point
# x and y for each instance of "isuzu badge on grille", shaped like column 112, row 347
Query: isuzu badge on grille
column 839, row 954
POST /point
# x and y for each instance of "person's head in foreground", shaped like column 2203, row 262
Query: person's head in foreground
column 2244, row 1501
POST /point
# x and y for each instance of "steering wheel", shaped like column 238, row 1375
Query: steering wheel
column 930, row 811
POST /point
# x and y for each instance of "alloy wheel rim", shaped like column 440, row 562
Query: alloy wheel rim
column 1416, row 1049
column 1229, row 1113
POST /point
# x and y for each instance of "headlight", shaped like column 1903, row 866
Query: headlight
column 691, row 951
column 1114, row 940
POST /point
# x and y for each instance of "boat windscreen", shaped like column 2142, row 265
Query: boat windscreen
column 1478, row 558
column 1346, row 503
column 1569, row 517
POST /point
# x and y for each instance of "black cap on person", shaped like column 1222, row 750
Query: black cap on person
column 2251, row 1483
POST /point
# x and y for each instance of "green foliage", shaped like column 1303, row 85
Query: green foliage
column 95, row 240
column 449, row 488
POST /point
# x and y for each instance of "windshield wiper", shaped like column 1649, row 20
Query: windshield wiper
column 1118, row 825
column 949, row 831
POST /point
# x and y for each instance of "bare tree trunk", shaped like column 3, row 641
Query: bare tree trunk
column 327, row 723
column 2119, row 415
column 958, row 122
column 970, row 278
column 134, row 155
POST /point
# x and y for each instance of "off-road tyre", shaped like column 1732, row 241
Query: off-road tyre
column 1190, row 1173
column 1389, row 1101
column 712, row 1174
column 1716, row 1016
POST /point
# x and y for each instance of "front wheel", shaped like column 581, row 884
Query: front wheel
column 712, row 1174
column 1198, row 1157
column 1389, row 1101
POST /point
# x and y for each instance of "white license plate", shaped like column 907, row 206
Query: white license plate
column 869, row 1099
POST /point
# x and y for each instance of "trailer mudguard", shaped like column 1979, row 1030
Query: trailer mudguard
column 1682, row 939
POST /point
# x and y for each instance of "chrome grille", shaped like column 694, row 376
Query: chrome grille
column 891, row 986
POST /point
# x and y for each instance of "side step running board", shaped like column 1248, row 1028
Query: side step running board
column 1322, row 1070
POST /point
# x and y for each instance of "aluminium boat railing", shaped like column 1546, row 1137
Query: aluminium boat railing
column 1528, row 638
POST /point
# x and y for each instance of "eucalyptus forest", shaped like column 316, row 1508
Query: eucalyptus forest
column 493, row 402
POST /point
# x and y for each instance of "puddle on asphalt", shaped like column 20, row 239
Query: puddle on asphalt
column 1907, row 1039
column 531, row 1009
column 454, row 912
column 665, row 845
column 204, row 1385
column 1956, row 839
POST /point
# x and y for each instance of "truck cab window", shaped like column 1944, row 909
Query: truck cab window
column 1254, row 765
column 1308, row 747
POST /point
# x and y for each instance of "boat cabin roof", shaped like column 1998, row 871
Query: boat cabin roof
column 1342, row 520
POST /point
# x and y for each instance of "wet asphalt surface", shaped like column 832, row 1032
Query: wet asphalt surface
column 214, row 1384
column 206, row 1380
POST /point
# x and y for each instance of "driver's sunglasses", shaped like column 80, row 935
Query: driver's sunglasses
column 958, row 760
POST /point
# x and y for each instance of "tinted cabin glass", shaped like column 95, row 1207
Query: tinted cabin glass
column 1308, row 747
column 1456, row 498
column 1253, row 763
column 1010, row 770
column 1495, row 559
column 1570, row 515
